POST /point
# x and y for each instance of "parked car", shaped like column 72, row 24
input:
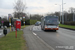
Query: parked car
column 37, row 23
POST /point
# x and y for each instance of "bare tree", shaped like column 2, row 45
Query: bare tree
column 19, row 8
column 72, row 10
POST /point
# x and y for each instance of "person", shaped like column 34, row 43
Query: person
column 5, row 30
column 12, row 27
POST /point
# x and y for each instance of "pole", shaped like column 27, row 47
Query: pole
column 24, row 24
column 62, row 13
column 24, row 20
column 16, row 33
column 10, row 22
column 73, row 15
column 10, row 28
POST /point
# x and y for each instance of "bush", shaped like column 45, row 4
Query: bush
column 70, row 23
column 27, row 22
column 33, row 22
column 6, row 23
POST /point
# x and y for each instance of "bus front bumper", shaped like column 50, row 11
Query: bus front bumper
column 51, row 28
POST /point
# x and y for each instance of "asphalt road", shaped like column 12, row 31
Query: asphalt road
column 63, row 39
column 1, row 32
column 33, row 42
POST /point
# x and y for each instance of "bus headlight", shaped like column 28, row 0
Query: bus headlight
column 57, row 26
column 45, row 26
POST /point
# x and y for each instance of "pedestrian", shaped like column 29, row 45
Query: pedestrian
column 5, row 30
column 12, row 27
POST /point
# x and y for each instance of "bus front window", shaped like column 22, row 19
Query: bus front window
column 51, row 21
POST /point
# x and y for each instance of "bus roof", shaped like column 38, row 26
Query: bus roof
column 49, row 16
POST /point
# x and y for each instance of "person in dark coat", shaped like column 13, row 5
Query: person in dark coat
column 5, row 30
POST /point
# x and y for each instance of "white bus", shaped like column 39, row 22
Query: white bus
column 50, row 23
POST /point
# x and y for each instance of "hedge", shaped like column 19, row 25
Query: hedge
column 70, row 23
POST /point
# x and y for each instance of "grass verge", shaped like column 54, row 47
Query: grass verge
column 33, row 22
column 24, row 26
column 67, row 26
column 9, row 42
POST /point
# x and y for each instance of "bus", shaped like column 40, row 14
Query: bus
column 50, row 23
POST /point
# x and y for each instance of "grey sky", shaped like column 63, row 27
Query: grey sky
column 35, row 6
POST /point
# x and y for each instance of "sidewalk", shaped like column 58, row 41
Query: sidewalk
column 33, row 43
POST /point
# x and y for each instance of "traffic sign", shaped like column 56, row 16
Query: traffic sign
column 24, row 22
column 10, row 24
column 2, row 21
column 9, row 15
column 23, row 16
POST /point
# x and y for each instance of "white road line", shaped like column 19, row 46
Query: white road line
column 1, row 34
column 36, row 28
column 44, row 42
column 34, row 33
column 30, row 28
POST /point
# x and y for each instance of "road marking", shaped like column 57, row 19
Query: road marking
column 36, row 28
column 30, row 28
column 34, row 33
column 67, row 35
column 44, row 42
column 1, row 34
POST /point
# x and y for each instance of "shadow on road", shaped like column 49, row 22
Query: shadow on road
column 50, row 31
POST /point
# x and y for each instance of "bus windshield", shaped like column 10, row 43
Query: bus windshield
column 50, row 21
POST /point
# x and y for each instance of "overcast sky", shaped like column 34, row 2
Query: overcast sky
column 35, row 6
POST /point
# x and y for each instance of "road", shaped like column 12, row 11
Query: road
column 63, row 39
column 1, row 32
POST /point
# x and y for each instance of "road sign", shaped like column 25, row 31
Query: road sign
column 2, row 21
column 10, row 24
column 9, row 15
column 23, row 17
column 24, row 22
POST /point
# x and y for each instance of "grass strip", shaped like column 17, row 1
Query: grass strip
column 67, row 26
column 9, row 42
column 24, row 26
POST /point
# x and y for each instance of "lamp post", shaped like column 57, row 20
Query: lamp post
column 62, row 13
column 73, row 15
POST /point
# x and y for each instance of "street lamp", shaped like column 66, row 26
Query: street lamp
column 73, row 15
column 62, row 13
